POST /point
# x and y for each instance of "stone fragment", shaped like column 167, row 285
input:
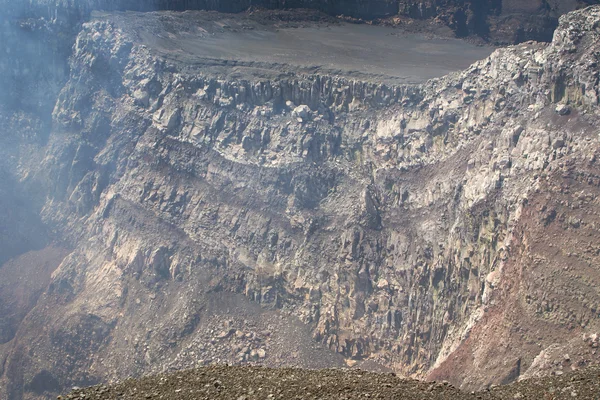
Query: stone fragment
column 261, row 353
column 302, row 111
column 563, row 109
column 141, row 97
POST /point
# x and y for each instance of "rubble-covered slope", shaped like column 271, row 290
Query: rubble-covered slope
column 442, row 229
column 257, row 383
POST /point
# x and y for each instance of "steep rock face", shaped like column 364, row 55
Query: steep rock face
column 399, row 223
column 542, row 294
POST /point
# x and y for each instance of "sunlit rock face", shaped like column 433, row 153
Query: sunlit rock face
column 217, row 211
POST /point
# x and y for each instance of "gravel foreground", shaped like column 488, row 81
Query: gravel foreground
column 254, row 383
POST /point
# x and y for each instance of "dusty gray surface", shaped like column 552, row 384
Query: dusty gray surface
column 326, row 46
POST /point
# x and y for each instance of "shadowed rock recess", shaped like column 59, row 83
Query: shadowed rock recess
column 205, row 210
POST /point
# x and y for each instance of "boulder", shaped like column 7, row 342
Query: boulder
column 302, row 111
column 563, row 109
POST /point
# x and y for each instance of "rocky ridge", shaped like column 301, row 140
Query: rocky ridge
column 38, row 34
column 259, row 383
column 404, row 225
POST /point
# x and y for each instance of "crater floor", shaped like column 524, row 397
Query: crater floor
column 248, row 43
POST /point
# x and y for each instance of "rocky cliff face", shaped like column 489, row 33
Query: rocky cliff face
column 446, row 229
